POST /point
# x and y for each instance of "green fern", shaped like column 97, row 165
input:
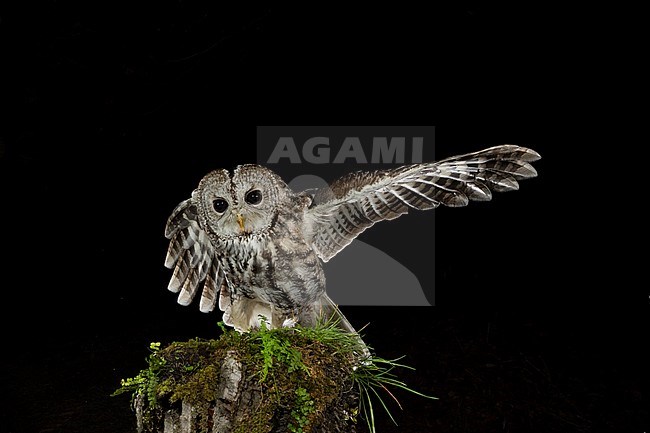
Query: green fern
column 278, row 355
column 146, row 382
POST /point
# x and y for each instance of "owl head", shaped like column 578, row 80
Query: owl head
column 242, row 205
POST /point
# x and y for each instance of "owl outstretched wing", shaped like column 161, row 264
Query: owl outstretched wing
column 192, row 257
column 355, row 202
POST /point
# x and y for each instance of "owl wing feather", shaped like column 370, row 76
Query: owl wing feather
column 192, row 257
column 355, row 202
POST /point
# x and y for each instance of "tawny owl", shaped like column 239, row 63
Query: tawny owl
column 256, row 247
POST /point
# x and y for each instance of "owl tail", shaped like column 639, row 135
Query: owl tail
column 329, row 312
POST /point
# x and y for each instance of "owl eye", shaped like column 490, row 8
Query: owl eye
column 220, row 204
column 254, row 197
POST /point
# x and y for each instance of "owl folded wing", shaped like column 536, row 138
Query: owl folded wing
column 355, row 202
column 191, row 255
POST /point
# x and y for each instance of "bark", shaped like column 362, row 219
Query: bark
column 240, row 405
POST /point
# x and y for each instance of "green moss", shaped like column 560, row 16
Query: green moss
column 259, row 421
column 299, row 372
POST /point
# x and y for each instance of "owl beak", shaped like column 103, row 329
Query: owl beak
column 240, row 221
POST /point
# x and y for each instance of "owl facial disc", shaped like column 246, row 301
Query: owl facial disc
column 241, row 205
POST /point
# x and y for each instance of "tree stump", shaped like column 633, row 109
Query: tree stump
column 273, row 381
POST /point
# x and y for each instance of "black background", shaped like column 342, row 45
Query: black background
column 114, row 112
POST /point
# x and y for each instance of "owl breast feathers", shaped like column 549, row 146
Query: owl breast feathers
column 257, row 248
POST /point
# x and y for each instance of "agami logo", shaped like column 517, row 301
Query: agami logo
column 383, row 266
column 317, row 150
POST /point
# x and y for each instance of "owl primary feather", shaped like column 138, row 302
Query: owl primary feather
column 255, row 248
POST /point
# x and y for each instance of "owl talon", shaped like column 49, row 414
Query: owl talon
column 289, row 322
column 257, row 324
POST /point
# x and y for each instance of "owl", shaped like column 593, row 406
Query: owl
column 256, row 248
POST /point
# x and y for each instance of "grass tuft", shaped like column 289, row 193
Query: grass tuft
column 303, row 368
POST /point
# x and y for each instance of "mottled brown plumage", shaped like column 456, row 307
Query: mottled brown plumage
column 256, row 247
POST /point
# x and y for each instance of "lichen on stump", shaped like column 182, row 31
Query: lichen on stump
column 267, row 381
